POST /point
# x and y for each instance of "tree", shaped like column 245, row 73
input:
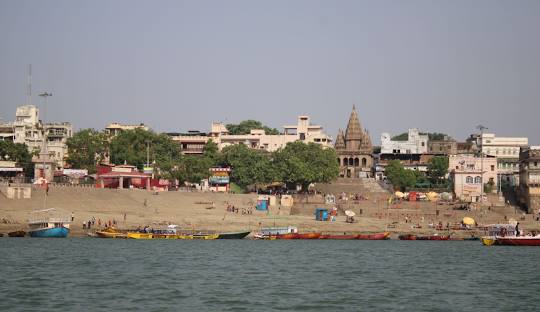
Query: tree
column 249, row 166
column 400, row 177
column 246, row 126
column 437, row 168
column 86, row 149
column 193, row 169
column 18, row 153
column 302, row 164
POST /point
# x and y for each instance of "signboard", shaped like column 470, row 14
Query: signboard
column 148, row 169
column 219, row 180
column 75, row 172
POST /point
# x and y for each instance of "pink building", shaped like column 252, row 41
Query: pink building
column 467, row 173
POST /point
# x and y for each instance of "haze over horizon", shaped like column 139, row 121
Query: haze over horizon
column 440, row 66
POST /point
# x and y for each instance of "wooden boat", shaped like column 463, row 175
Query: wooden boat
column 17, row 234
column 286, row 236
column 110, row 233
column 235, row 235
column 434, row 237
column 407, row 237
column 376, row 236
column 308, row 235
column 48, row 223
column 344, row 236
column 517, row 241
column 488, row 240
column 137, row 235
column 205, row 236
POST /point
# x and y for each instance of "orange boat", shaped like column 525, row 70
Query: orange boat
column 407, row 237
column 328, row 236
column 286, row 236
column 376, row 236
column 308, row 236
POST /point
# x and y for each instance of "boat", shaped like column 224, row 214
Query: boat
column 263, row 236
column 139, row 235
column 496, row 231
column 518, row 241
column 375, row 236
column 407, row 237
column 110, row 233
column 339, row 237
column 307, row 235
column 42, row 224
column 17, row 234
column 286, row 236
column 234, row 235
column 434, row 237
column 488, row 241
column 205, row 236
column 168, row 233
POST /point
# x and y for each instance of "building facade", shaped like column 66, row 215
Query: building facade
column 354, row 149
column 467, row 172
column 113, row 129
column 447, row 146
column 529, row 171
column 416, row 143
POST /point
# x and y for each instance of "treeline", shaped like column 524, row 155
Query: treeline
column 296, row 164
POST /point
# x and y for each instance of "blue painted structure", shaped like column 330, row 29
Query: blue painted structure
column 262, row 204
column 321, row 214
column 51, row 232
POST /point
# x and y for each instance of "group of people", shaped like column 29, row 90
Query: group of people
column 92, row 222
column 245, row 211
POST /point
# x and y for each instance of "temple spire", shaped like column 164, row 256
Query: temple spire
column 340, row 140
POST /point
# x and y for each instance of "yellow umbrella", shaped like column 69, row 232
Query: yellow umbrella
column 399, row 194
column 468, row 221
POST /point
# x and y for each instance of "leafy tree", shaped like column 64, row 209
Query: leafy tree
column 246, row 126
column 86, row 149
column 18, row 153
column 400, row 177
column 302, row 164
column 196, row 168
column 437, row 168
column 401, row 137
column 249, row 166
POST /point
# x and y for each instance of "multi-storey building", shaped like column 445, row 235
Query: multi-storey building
column 115, row 128
column 416, row 143
column 446, row 146
column 469, row 174
column 529, row 178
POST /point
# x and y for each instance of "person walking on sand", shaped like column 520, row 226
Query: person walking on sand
column 517, row 229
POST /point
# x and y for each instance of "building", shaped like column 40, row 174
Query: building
column 354, row 149
column 446, row 146
column 466, row 175
column 506, row 149
column 193, row 142
column 529, row 177
column 115, row 128
column 416, row 144
column 29, row 129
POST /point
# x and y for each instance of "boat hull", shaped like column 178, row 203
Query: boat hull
column 53, row 232
column 105, row 234
column 17, row 234
column 376, row 236
column 237, row 235
column 308, row 236
column 340, row 237
column 407, row 237
column 135, row 235
column 488, row 241
column 518, row 241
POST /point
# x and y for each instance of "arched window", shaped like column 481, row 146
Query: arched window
column 351, row 162
column 345, row 162
column 339, row 161
column 356, row 162
column 469, row 179
column 478, row 180
column 364, row 162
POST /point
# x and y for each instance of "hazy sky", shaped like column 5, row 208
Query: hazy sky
column 443, row 66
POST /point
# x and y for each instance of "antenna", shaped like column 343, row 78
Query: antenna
column 29, row 91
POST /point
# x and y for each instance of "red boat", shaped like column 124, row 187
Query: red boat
column 308, row 236
column 327, row 236
column 376, row 236
column 518, row 241
column 407, row 237
column 287, row 236
column 433, row 237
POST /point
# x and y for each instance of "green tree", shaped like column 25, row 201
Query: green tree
column 437, row 169
column 246, row 126
column 249, row 166
column 302, row 164
column 400, row 177
column 18, row 153
column 86, row 149
column 193, row 169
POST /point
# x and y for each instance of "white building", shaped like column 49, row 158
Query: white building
column 416, row 144
column 115, row 128
column 506, row 149
column 467, row 173
column 257, row 138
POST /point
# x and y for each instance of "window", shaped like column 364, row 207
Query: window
column 302, row 136
column 478, row 180
column 536, row 164
column 356, row 162
column 492, row 167
column 469, row 179
column 364, row 162
column 423, row 143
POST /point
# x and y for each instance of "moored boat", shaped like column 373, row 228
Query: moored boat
column 434, row 237
column 488, row 240
column 341, row 237
column 375, row 236
column 139, row 235
column 43, row 225
column 518, row 241
column 235, row 235
column 407, row 237
column 17, row 234
column 308, row 235
column 110, row 233
column 286, row 236
column 205, row 236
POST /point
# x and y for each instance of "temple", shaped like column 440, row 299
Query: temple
column 354, row 149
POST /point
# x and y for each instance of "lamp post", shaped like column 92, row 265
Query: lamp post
column 481, row 128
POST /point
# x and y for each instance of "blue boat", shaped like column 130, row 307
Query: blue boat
column 43, row 225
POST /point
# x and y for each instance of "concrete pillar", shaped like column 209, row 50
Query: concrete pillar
column 102, row 182
column 121, row 183
column 148, row 183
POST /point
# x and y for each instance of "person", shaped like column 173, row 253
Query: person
column 517, row 229
column 72, row 216
column 84, row 225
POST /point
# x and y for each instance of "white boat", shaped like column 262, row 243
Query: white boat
column 47, row 223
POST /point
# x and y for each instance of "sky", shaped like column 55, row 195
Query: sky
column 440, row 66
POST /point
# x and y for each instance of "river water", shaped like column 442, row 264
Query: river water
column 84, row 274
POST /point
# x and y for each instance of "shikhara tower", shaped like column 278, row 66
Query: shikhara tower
column 354, row 149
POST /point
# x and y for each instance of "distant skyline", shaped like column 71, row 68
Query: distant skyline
column 439, row 66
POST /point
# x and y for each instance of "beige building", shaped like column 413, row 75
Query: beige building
column 447, row 146
column 529, row 186
column 115, row 128
column 28, row 129
column 466, row 174
column 193, row 142
column 416, row 143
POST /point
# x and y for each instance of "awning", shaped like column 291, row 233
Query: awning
column 11, row 169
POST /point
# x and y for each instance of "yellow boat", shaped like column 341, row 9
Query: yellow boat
column 205, row 236
column 488, row 240
column 110, row 233
column 137, row 235
column 165, row 236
